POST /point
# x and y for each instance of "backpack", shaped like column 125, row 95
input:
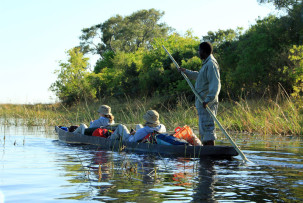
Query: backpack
column 150, row 138
column 72, row 128
column 101, row 132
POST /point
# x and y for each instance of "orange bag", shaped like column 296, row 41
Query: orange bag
column 187, row 134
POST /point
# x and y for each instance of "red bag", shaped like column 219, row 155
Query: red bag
column 150, row 138
column 101, row 132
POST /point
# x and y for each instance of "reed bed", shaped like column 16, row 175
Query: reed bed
column 267, row 117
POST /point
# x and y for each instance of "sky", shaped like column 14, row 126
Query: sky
column 35, row 34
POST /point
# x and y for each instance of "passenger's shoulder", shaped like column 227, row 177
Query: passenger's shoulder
column 146, row 128
column 162, row 126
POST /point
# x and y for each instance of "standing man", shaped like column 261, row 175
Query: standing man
column 208, row 87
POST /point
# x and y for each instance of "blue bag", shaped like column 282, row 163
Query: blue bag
column 167, row 139
column 64, row 128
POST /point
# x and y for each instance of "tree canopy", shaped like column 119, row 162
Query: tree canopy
column 134, row 63
column 72, row 84
column 126, row 34
column 280, row 4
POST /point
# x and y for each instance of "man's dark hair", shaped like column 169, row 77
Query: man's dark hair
column 207, row 47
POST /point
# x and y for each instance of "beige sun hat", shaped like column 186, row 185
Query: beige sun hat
column 104, row 109
column 152, row 117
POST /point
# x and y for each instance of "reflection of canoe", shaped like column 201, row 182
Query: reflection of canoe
column 170, row 150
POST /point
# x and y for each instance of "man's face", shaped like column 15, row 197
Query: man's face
column 202, row 54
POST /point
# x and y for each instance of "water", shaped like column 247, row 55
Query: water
column 36, row 167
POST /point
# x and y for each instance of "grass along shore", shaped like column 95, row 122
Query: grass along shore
column 263, row 117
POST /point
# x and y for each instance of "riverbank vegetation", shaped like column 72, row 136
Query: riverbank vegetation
column 277, row 116
column 132, row 61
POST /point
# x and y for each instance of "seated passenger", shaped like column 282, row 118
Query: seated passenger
column 152, row 124
column 106, row 119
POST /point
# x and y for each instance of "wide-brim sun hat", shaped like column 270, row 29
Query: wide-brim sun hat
column 104, row 109
column 152, row 117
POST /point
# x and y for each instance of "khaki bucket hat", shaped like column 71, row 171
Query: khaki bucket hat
column 104, row 109
column 152, row 116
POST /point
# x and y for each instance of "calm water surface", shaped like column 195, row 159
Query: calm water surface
column 36, row 167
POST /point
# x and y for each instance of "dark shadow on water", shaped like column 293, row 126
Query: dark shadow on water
column 204, row 190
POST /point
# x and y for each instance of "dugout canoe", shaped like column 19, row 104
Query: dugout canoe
column 167, row 150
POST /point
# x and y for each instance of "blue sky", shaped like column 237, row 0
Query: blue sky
column 35, row 34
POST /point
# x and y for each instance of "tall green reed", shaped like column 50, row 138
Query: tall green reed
column 265, row 116
column 279, row 116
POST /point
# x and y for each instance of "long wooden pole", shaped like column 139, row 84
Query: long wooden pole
column 207, row 108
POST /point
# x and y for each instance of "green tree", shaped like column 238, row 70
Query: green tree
column 146, row 71
column 296, row 72
column 72, row 83
column 134, row 62
column 105, row 62
column 280, row 4
column 126, row 34
column 254, row 62
column 257, row 50
column 106, row 83
column 130, row 65
column 159, row 74
column 223, row 36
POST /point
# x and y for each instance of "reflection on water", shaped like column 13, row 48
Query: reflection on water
column 206, row 182
column 35, row 166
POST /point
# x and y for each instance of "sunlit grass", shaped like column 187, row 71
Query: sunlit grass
column 266, row 117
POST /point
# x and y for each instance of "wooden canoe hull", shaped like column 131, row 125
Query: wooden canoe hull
column 169, row 150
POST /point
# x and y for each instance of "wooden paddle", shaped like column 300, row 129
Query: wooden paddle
column 208, row 109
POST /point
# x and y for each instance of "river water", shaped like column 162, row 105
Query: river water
column 36, row 167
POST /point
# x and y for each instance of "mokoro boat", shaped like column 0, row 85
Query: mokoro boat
column 169, row 150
